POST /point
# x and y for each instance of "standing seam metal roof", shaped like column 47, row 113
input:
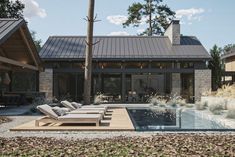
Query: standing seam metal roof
column 123, row 47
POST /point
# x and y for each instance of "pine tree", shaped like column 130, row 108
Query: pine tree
column 11, row 9
column 156, row 14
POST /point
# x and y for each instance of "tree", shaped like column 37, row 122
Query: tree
column 156, row 14
column 36, row 41
column 89, row 46
column 216, row 66
column 228, row 48
column 14, row 9
column 11, row 9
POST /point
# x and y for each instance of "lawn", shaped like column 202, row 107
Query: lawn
column 158, row 145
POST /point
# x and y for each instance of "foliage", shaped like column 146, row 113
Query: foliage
column 157, row 101
column 11, row 9
column 36, row 41
column 166, row 145
column 201, row 105
column 153, row 12
column 99, row 99
column 216, row 66
column 216, row 108
column 228, row 48
column 176, row 100
column 227, row 91
column 231, row 114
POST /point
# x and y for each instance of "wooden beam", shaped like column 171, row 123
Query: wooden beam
column 28, row 46
column 2, row 52
column 3, row 67
column 16, row 63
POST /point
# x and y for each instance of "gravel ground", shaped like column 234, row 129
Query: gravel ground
column 18, row 120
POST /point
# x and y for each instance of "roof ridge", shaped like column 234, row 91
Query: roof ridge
column 103, row 36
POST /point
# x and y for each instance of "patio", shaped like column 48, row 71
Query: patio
column 118, row 121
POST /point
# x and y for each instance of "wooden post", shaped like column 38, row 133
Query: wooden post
column 88, row 60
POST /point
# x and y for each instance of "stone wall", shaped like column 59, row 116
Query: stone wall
column 46, row 83
column 202, row 82
column 173, row 32
column 176, row 84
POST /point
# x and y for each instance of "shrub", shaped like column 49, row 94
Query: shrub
column 157, row 101
column 231, row 114
column 98, row 99
column 216, row 108
column 201, row 105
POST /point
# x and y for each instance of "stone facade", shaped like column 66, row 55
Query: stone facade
column 173, row 32
column 46, row 83
column 202, row 80
column 176, row 84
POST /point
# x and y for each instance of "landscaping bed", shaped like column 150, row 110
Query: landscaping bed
column 158, row 145
column 4, row 119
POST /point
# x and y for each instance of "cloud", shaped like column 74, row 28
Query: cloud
column 32, row 9
column 120, row 33
column 117, row 19
column 139, row 31
column 192, row 14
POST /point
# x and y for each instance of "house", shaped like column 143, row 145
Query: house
column 127, row 68
column 229, row 66
column 19, row 61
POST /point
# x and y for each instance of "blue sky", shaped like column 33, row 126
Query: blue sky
column 210, row 20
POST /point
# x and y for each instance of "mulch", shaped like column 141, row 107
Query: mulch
column 157, row 145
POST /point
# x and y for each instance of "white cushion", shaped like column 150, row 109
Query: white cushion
column 68, row 105
column 60, row 111
column 47, row 110
column 76, row 105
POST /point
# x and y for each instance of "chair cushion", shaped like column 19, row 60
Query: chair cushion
column 68, row 105
column 47, row 110
column 60, row 111
column 76, row 105
column 84, row 117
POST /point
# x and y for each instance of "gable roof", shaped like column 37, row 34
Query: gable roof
column 123, row 47
column 8, row 27
column 14, row 36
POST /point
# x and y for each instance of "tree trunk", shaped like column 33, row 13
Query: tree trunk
column 150, row 33
column 88, row 60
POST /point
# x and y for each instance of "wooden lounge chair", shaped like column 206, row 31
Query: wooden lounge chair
column 52, row 117
column 83, row 107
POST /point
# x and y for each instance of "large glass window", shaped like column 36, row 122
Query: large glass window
column 162, row 65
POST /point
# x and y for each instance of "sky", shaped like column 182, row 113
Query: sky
column 211, row 21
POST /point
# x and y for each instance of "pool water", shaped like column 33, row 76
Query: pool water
column 150, row 119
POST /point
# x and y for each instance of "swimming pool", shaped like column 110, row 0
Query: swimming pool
column 172, row 119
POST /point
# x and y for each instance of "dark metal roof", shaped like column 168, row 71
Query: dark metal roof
column 123, row 47
column 8, row 27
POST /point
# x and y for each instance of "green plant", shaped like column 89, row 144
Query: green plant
column 216, row 108
column 231, row 114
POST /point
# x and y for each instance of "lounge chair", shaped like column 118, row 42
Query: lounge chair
column 52, row 117
column 83, row 107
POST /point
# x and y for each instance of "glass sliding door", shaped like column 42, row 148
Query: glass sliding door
column 65, row 86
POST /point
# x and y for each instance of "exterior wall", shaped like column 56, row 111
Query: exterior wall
column 176, row 84
column 46, row 83
column 173, row 33
column 202, row 81
column 230, row 66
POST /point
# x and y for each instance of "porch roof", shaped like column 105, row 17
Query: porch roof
column 123, row 48
column 17, row 49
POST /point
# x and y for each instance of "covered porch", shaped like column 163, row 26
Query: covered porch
column 19, row 63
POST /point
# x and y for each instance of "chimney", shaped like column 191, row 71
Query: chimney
column 173, row 32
